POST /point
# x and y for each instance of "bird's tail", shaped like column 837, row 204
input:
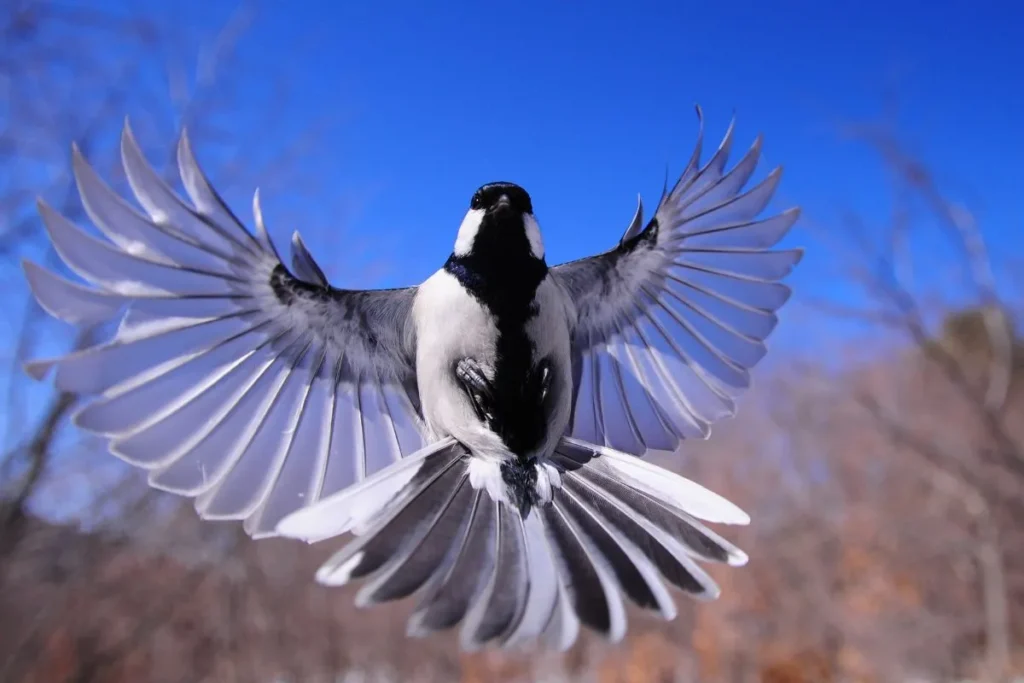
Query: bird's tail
column 600, row 526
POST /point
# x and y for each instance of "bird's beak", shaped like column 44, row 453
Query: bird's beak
column 503, row 202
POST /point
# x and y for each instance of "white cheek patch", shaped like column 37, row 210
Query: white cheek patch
column 467, row 231
column 533, row 234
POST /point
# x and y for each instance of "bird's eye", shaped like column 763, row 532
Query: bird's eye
column 477, row 202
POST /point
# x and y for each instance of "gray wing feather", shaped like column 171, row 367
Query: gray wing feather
column 669, row 323
column 231, row 379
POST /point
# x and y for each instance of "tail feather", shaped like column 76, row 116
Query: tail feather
column 590, row 589
column 564, row 625
column 409, row 571
column 495, row 614
column 666, row 486
column 542, row 596
column 449, row 596
column 602, row 526
column 382, row 546
column 699, row 541
column 386, row 536
column 355, row 506
column 666, row 553
column 637, row 577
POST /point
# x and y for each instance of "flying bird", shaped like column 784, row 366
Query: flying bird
column 479, row 436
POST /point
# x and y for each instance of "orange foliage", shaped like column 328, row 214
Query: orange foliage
column 781, row 665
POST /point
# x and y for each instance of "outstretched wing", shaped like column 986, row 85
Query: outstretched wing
column 256, row 389
column 669, row 322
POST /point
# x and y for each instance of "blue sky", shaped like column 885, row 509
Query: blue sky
column 585, row 106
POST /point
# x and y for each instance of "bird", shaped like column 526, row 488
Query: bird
column 479, row 439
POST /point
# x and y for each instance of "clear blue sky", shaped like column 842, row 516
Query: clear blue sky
column 584, row 104
column 584, row 107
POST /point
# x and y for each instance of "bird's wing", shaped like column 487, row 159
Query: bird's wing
column 669, row 323
column 230, row 378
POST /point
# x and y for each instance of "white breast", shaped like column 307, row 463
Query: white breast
column 450, row 325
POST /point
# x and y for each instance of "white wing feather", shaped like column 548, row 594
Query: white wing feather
column 229, row 378
column 670, row 322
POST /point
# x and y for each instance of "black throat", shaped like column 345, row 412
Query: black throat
column 502, row 273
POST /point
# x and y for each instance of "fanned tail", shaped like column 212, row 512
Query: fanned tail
column 601, row 527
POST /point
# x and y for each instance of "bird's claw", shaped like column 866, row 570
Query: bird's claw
column 476, row 384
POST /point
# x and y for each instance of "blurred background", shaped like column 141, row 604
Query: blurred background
column 880, row 455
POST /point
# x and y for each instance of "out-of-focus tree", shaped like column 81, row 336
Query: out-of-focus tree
column 919, row 449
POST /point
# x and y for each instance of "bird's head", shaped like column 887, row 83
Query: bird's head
column 500, row 224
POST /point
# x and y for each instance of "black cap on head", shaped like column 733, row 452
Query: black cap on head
column 494, row 195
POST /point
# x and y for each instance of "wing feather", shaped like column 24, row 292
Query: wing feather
column 228, row 378
column 296, row 481
column 669, row 324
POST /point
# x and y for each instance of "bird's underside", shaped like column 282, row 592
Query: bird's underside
column 274, row 398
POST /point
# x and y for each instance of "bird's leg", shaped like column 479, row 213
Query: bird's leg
column 472, row 378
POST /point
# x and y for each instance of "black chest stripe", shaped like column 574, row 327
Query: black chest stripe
column 507, row 288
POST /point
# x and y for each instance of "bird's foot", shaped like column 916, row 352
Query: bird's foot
column 476, row 384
